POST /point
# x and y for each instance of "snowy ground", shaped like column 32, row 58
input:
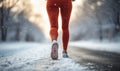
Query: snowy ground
column 97, row 45
column 30, row 56
column 33, row 57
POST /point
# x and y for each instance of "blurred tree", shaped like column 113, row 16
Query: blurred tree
column 6, row 6
column 97, row 19
column 117, row 19
column 2, row 27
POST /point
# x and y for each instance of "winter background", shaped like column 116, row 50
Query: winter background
column 24, row 33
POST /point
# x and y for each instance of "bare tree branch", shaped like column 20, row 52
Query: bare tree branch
column 13, row 5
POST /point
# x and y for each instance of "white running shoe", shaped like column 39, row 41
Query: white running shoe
column 54, row 51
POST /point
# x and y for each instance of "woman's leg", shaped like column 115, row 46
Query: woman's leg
column 65, row 13
column 53, row 11
column 53, row 18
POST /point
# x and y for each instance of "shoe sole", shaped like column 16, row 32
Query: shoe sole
column 54, row 52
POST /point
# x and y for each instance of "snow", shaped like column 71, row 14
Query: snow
column 97, row 45
column 30, row 56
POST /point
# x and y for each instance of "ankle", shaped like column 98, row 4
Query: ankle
column 64, row 51
column 54, row 41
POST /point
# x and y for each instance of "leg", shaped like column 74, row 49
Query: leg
column 53, row 18
column 53, row 11
column 65, row 13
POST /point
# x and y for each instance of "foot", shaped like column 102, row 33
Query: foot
column 54, row 51
column 65, row 55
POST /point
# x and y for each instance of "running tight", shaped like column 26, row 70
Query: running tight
column 53, row 8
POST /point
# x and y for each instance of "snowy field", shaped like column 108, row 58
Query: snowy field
column 97, row 45
column 23, row 56
column 33, row 57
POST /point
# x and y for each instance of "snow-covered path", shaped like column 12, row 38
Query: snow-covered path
column 97, row 45
column 33, row 57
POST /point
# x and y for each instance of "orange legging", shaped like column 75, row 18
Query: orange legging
column 53, row 7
